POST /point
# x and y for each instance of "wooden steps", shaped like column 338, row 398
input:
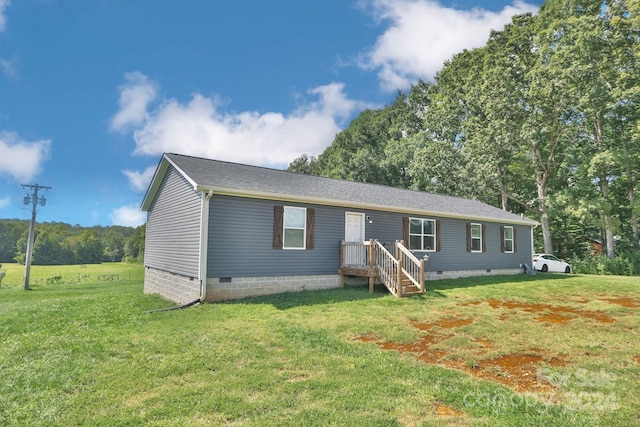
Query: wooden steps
column 400, row 271
column 409, row 288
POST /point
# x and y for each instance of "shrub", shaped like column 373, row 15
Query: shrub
column 622, row 265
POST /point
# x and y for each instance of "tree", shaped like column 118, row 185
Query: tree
column 596, row 42
column 113, row 246
column 49, row 249
column 134, row 246
column 10, row 232
column 304, row 164
column 88, row 249
column 513, row 121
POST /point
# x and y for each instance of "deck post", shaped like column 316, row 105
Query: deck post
column 422, row 275
column 399, row 275
column 372, row 264
column 341, row 263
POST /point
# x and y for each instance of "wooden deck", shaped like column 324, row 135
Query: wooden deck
column 392, row 264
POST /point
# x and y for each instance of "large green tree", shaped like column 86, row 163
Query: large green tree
column 543, row 119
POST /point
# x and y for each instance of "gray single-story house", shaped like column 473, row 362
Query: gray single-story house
column 219, row 230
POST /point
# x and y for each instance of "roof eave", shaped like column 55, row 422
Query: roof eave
column 228, row 191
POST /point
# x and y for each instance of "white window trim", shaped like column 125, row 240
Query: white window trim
column 434, row 235
column 477, row 238
column 284, row 229
column 505, row 240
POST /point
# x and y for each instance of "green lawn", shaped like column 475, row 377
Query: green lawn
column 522, row 350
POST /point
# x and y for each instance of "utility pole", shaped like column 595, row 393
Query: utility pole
column 34, row 200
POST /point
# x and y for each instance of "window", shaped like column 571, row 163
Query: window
column 508, row 240
column 294, row 227
column 475, row 237
column 422, row 234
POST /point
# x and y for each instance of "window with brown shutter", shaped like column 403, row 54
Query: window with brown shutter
column 508, row 239
column 293, row 228
column 476, row 237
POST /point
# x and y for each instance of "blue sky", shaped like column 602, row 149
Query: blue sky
column 93, row 92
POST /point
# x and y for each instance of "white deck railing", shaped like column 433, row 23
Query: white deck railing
column 393, row 262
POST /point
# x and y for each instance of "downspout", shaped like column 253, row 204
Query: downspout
column 533, row 249
column 204, row 243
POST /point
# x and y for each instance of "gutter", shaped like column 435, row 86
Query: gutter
column 204, row 240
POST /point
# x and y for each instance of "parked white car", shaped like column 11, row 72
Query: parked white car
column 546, row 262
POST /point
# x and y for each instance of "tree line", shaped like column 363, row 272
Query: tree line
column 57, row 243
column 543, row 120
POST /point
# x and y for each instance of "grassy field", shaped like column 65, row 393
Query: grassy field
column 545, row 350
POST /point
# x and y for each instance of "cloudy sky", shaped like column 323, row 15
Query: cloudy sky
column 93, row 92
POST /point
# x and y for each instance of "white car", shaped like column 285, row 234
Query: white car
column 546, row 262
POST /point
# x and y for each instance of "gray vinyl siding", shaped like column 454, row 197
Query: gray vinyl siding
column 453, row 255
column 173, row 227
column 241, row 241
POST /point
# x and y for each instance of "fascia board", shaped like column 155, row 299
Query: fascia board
column 252, row 194
column 161, row 170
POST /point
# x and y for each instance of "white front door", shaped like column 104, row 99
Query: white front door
column 354, row 227
column 355, row 251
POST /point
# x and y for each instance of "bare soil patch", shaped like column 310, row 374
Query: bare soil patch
column 517, row 371
column 622, row 301
column 545, row 310
column 448, row 411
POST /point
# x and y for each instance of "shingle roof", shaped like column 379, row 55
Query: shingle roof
column 254, row 181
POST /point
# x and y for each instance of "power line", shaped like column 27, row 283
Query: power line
column 34, row 199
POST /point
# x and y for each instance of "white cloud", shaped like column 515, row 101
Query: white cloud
column 135, row 95
column 8, row 68
column 3, row 19
column 5, row 202
column 140, row 181
column 423, row 34
column 200, row 128
column 22, row 160
column 128, row 216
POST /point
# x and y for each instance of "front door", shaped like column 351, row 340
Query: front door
column 354, row 227
column 355, row 251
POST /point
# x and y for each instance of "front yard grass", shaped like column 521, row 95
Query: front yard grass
column 521, row 350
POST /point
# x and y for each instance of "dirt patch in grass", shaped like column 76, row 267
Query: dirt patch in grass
column 448, row 411
column 624, row 302
column 443, row 323
column 554, row 318
column 486, row 343
column 548, row 313
column 518, row 371
column 636, row 359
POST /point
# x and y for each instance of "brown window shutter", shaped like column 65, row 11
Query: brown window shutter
column 278, row 226
column 311, row 219
column 437, row 235
column 484, row 238
column 515, row 247
column 502, row 236
column 468, row 237
column 405, row 230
